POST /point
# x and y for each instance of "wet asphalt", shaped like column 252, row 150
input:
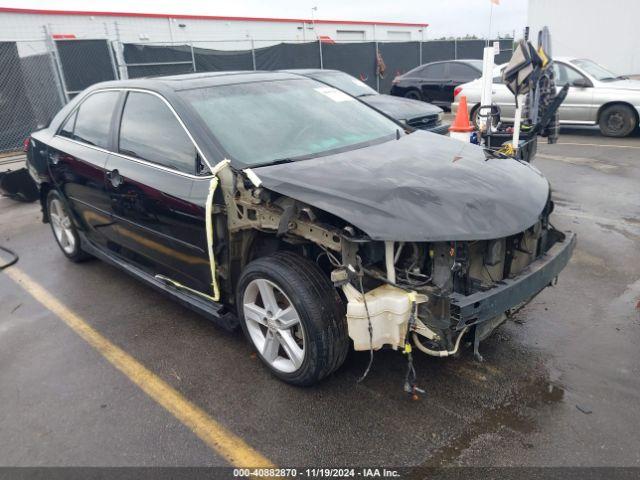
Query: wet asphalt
column 559, row 385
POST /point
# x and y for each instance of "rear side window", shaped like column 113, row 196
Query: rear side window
column 93, row 120
column 433, row 72
column 460, row 71
column 67, row 128
column 150, row 131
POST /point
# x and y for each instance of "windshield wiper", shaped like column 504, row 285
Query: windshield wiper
column 278, row 161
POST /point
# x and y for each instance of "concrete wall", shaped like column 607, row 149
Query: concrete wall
column 606, row 32
column 209, row 33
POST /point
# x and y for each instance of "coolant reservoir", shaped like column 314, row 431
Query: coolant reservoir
column 389, row 310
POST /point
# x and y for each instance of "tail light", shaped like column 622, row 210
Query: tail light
column 25, row 144
column 457, row 91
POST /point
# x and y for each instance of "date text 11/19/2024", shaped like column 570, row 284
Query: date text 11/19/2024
column 317, row 472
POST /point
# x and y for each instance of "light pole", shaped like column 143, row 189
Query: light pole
column 313, row 21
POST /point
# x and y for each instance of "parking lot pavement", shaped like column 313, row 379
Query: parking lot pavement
column 559, row 384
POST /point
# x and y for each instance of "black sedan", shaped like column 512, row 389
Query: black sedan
column 435, row 82
column 411, row 112
column 275, row 203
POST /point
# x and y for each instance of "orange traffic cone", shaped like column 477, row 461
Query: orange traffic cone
column 461, row 129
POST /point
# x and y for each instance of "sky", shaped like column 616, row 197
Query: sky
column 445, row 17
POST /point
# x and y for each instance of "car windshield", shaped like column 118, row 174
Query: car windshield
column 260, row 123
column 596, row 71
column 345, row 82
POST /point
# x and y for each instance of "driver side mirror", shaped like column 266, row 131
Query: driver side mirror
column 581, row 83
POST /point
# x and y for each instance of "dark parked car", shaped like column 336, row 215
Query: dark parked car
column 411, row 112
column 435, row 82
column 275, row 203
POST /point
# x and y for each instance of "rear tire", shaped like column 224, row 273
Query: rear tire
column 617, row 121
column 64, row 231
column 299, row 331
column 413, row 94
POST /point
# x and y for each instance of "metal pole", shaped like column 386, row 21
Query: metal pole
column 112, row 57
column 193, row 57
column 455, row 48
column 122, row 64
column 253, row 54
column 420, row 44
column 56, row 74
column 320, row 47
column 56, row 56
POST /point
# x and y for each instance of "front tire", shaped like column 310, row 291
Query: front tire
column 293, row 317
column 64, row 231
column 617, row 121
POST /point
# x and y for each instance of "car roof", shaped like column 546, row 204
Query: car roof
column 457, row 60
column 190, row 81
column 310, row 71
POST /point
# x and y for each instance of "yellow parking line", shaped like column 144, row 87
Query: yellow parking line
column 235, row 450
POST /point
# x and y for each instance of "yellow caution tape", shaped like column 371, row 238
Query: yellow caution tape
column 209, row 226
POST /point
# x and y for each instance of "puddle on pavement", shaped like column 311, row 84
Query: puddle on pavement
column 510, row 415
column 621, row 231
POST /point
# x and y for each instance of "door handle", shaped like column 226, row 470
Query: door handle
column 114, row 177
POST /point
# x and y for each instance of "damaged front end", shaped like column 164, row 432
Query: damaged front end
column 430, row 293
column 435, row 292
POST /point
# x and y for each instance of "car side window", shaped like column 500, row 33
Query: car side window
column 460, row 71
column 565, row 74
column 433, row 72
column 67, row 128
column 93, row 120
column 150, row 131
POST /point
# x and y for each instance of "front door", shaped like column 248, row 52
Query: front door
column 432, row 79
column 150, row 178
column 77, row 156
column 578, row 106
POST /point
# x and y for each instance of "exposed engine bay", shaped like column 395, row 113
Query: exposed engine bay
column 395, row 292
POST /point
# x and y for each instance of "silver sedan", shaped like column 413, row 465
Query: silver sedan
column 596, row 96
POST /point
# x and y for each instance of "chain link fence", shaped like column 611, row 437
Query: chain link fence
column 29, row 91
column 39, row 76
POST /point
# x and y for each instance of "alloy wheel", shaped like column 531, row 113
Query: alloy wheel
column 274, row 325
column 62, row 227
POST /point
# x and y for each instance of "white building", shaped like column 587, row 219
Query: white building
column 216, row 31
column 606, row 32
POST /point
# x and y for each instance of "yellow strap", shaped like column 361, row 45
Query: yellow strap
column 209, row 226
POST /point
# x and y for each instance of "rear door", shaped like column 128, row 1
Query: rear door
column 76, row 158
column 161, row 227
column 458, row 74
